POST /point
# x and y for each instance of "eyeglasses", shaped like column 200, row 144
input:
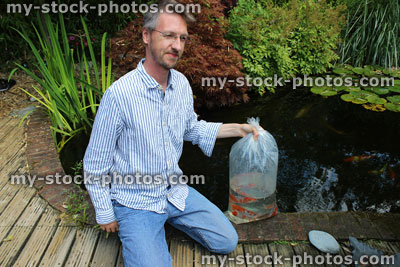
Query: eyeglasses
column 171, row 36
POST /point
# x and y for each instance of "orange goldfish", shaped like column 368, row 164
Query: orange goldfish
column 358, row 158
column 392, row 174
column 269, row 206
column 380, row 171
column 243, row 200
column 243, row 210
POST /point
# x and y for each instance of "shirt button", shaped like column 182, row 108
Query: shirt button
column 166, row 143
column 169, row 162
column 159, row 87
column 164, row 123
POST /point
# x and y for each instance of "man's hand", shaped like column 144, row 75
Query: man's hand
column 248, row 128
column 111, row 227
column 237, row 130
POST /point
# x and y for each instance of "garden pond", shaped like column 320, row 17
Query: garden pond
column 333, row 155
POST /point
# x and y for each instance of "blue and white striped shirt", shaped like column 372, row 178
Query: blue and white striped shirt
column 139, row 129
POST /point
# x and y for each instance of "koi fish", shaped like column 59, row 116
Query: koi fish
column 334, row 129
column 275, row 211
column 233, row 198
column 241, row 209
column 380, row 171
column 303, row 111
column 391, row 173
column 358, row 158
column 243, row 200
column 269, row 206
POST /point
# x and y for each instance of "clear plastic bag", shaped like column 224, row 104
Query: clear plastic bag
column 253, row 167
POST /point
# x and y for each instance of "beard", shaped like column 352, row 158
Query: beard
column 160, row 58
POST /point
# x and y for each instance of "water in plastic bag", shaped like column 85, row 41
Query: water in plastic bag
column 253, row 167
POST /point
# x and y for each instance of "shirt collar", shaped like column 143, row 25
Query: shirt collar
column 150, row 82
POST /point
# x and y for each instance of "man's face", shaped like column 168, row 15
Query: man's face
column 166, row 52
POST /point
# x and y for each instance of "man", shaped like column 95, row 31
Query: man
column 141, row 124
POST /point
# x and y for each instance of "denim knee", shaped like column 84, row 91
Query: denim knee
column 227, row 244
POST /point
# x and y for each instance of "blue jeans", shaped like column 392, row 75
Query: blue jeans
column 143, row 236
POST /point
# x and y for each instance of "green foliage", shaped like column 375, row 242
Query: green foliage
column 77, row 206
column 78, row 170
column 372, row 34
column 70, row 98
column 299, row 37
column 10, row 41
column 14, row 49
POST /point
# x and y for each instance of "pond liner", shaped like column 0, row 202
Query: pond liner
column 5, row 84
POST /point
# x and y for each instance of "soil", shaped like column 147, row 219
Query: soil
column 14, row 98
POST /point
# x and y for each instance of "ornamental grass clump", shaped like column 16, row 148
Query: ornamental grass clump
column 372, row 34
column 70, row 94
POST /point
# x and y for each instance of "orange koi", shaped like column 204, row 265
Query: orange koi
column 392, row 174
column 241, row 209
column 248, row 199
column 243, row 200
column 380, row 171
column 358, row 158
column 269, row 206
column 233, row 198
column 275, row 211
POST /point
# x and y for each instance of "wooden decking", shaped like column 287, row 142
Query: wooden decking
column 32, row 233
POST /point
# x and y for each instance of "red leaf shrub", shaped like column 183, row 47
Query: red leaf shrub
column 208, row 55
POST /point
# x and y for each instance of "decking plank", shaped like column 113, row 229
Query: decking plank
column 39, row 240
column 17, row 205
column 12, row 165
column 181, row 253
column 306, row 254
column 395, row 246
column 8, row 190
column 57, row 252
column 120, row 260
column 285, row 252
column 83, row 247
column 233, row 259
column 14, row 135
column 203, row 257
column 107, row 249
column 255, row 251
column 12, row 148
column 9, row 250
column 8, row 127
column 4, row 122
column 7, row 193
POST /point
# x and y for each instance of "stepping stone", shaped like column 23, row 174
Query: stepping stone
column 22, row 112
column 324, row 241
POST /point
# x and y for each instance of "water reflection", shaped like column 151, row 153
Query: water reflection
column 331, row 153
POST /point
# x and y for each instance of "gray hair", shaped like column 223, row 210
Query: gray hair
column 151, row 18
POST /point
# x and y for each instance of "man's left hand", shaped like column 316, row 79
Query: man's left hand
column 248, row 128
column 237, row 130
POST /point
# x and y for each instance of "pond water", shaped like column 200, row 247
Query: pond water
column 317, row 138
column 333, row 155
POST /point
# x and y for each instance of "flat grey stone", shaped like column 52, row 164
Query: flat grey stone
column 22, row 112
column 324, row 241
